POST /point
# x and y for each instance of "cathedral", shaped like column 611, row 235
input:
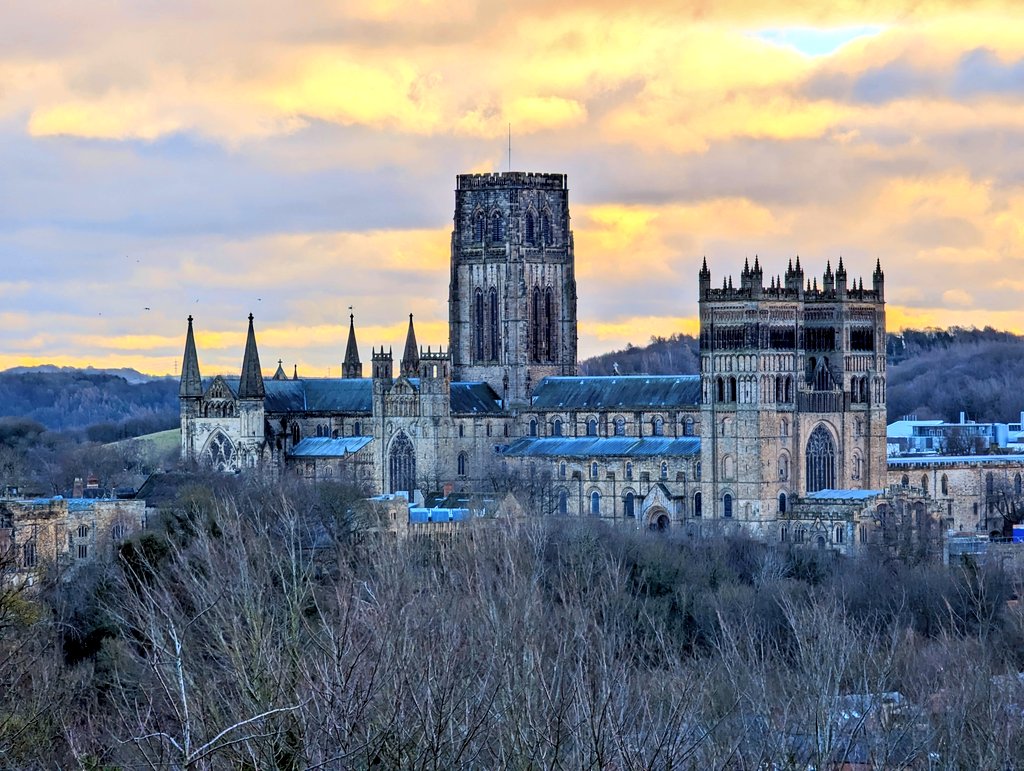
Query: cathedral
column 781, row 434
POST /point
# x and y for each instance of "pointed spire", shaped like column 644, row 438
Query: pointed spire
column 191, row 382
column 280, row 374
column 411, row 355
column 704, row 268
column 251, row 384
column 295, row 372
column 352, row 367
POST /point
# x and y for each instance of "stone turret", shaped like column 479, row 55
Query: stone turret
column 351, row 367
column 191, row 383
column 704, row 279
column 280, row 374
column 250, row 386
column 411, row 355
column 841, row 279
column 878, row 280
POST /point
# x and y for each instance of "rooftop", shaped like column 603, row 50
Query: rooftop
column 597, row 447
column 626, row 392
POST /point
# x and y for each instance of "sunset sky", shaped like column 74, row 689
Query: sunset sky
column 292, row 159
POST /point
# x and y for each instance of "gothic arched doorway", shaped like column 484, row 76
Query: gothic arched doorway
column 401, row 465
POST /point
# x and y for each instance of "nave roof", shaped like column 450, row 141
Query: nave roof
column 597, row 447
column 623, row 392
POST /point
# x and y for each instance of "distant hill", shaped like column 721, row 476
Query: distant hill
column 129, row 374
column 109, row 406
column 933, row 373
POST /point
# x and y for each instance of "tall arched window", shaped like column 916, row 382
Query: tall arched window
column 549, row 342
column 592, row 427
column 462, row 464
column 497, row 229
column 595, row 503
column 533, row 427
column 563, row 502
column 629, row 470
column 945, row 485
column 220, row 452
column 782, row 503
column 688, row 427
column 478, row 227
column 561, row 469
column 620, row 426
column 783, row 467
column 402, row 465
column 924, row 483
column 629, row 505
column 556, row 427
column 727, row 506
column 697, row 504
column 529, row 228
column 545, row 229
column 478, row 325
column 593, row 470
column 990, row 485
column 821, row 461
column 495, row 337
column 658, row 427
column 28, row 554
column 536, row 325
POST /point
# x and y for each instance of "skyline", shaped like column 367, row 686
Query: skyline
column 162, row 162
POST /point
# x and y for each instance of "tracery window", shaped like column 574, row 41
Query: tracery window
column 402, row 465
column 497, row 227
column 546, row 230
column 821, row 460
column 478, row 227
column 529, row 228
column 220, row 452
column 28, row 554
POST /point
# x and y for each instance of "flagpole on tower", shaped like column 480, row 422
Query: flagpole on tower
column 510, row 147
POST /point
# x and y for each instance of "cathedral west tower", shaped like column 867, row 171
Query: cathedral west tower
column 512, row 296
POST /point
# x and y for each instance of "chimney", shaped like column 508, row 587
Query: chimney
column 78, row 489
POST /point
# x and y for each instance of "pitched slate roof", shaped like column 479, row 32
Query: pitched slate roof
column 843, row 495
column 596, row 447
column 325, row 447
column 642, row 392
column 474, row 398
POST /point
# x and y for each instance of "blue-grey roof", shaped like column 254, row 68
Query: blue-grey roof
column 421, row 514
column 631, row 392
column 842, row 495
column 474, row 398
column 954, row 460
column 325, row 447
column 596, row 447
column 354, row 396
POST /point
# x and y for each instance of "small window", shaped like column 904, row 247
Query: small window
column 357, row 429
column 696, row 471
column 658, row 427
column 783, row 428
column 863, row 533
column 727, row 506
column 28, row 554
column 782, row 503
column 593, row 470
column 840, row 533
column 556, row 427
column 83, row 531
column 664, row 471
column 488, row 429
column 620, row 426
column 561, row 470
column 117, row 532
column 945, row 484
column 697, row 504
column 629, row 470
column 462, row 431
column 924, row 484
column 83, row 551
column 533, row 428
column 595, row 503
column 592, row 427
column 462, row 464
column 688, row 427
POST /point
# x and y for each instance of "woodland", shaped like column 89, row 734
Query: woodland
column 258, row 627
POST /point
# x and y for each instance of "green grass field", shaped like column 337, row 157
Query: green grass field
column 160, row 442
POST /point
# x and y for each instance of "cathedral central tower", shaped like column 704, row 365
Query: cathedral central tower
column 512, row 296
